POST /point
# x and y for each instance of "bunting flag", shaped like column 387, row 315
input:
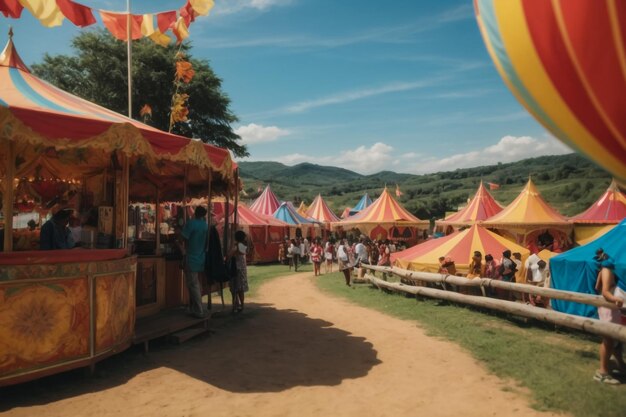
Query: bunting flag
column 11, row 8
column 202, row 7
column 46, row 11
column 493, row 186
column 51, row 13
column 166, row 20
column 180, row 30
column 116, row 24
column 398, row 192
column 80, row 15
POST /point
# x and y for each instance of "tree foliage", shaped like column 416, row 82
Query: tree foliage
column 97, row 72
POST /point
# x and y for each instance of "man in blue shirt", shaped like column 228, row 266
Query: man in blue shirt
column 195, row 235
column 55, row 234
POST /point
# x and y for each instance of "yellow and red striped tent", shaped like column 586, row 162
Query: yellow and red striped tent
column 319, row 210
column 385, row 218
column 528, row 215
column 459, row 246
column 482, row 207
column 564, row 61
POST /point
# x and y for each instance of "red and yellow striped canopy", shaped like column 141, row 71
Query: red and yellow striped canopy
column 385, row 210
column 609, row 209
column 266, row 203
column 529, row 210
column 302, row 209
column 565, row 61
column 247, row 217
column 320, row 211
column 35, row 111
column 459, row 246
column 482, row 207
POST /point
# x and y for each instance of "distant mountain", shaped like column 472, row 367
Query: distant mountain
column 568, row 182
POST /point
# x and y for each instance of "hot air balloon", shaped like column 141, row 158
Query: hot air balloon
column 565, row 62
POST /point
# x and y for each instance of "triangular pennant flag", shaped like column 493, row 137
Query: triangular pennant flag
column 147, row 25
column 165, row 20
column 202, row 7
column 188, row 13
column 11, row 8
column 160, row 38
column 116, row 24
column 80, row 15
column 180, row 30
column 46, row 11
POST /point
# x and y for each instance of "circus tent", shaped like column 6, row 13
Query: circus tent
column 363, row 203
column 459, row 246
column 302, row 209
column 287, row 213
column 345, row 213
column 266, row 203
column 36, row 113
column 609, row 209
column 319, row 210
column 265, row 233
column 529, row 218
column 481, row 207
column 385, row 218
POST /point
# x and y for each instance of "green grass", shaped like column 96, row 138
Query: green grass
column 556, row 368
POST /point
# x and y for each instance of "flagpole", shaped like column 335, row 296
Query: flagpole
column 129, row 56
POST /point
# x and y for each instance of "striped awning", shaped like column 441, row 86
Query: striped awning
column 319, row 210
column 482, row 207
column 610, row 208
column 266, row 203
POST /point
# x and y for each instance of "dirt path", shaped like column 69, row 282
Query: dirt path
column 295, row 352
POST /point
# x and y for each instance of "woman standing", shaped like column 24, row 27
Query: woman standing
column 239, row 280
column 316, row 256
column 329, row 253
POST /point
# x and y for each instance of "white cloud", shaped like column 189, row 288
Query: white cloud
column 508, row 149
column 253, row 133
column 348, row 96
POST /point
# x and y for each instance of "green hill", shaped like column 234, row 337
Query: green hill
column 570, row 183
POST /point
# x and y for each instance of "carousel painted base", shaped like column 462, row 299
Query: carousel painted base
column 59, row 316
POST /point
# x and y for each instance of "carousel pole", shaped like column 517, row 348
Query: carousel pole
column 129, row 59
column 8, row 196
column 236, row 211
column 157, row 223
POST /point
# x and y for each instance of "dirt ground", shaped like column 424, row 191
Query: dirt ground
column 295, row 351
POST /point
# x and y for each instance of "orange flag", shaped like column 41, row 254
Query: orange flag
column 78, row 14
column 493, row 186
column 116, row 24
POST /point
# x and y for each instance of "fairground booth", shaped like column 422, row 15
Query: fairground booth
column 299, row 226
column 62, row 309
column 480, row 208
column 321, row 212
column 384, row 219
column 532, row 223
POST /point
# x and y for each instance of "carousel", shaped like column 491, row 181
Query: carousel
column 121, row 283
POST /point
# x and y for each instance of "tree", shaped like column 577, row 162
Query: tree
column 97, row 72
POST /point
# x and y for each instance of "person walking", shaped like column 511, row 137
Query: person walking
column 316, row 256
column 193, row 248
column 343, row 261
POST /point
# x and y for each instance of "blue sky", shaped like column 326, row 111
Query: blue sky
column 405, row 86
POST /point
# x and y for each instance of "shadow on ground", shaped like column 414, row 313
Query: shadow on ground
column 262, row 350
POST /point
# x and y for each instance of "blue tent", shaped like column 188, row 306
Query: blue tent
column 576, row 270
column 363, row 203
column 287, row 213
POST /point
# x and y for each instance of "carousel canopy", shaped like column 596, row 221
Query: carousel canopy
column 320, row 211
column 385, row 210
column 288, row 214
column 482, row 207
column 266, row 203
column 609, row 209
column 363, row 203
column 35, row 112
column 458, row 246
column 528, row 209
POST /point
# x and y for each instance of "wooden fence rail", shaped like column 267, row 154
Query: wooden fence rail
column 597, row 327
column 591, row 299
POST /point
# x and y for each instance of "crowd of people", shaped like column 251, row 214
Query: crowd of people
column 346, row 253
